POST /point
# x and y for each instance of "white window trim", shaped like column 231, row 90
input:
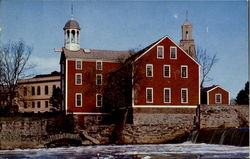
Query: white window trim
column 149, row 65
column 186, row 95
column 76, row 99
column 80, row 65
column 219, row 94
column 96, row 79
column 165, row 95
column 101, row 64
column 184, row 66
column 162, row 52
column 169, row 71
column 97, row 100
column 76, row 78
column 175, row 52
column 149, row 88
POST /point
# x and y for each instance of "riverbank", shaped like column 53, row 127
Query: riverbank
column 152, row 151
column 166, row 128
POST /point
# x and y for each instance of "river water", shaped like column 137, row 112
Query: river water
column 185, row 150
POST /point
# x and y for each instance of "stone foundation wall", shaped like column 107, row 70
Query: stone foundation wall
column 103, row 133
column 22, row 134
column 164, row 116
column 164, row 119
column 224, row 116
column 155, row 127
column 158, row 125
column 153, row 134
column 29, row 132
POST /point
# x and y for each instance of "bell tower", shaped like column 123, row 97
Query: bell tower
column 187, row 43
column 72, row 34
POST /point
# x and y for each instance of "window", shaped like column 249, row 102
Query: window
column 149, row 70
column 67, row 36
column 54, row 87
column 38, row 104
column 184, row 95
column 98, row 100
column 184, row 71
column 160, row 52
column 46, row 104
column 173, row 52
column 78, row 78
column 25, row 105
column 25, row 91
column 98, row 65
column 78, row 64
column 217, row 98
column 33, row 91
column 149, row 95
column 166, row 70
column 38, row 90
column 78, row 100
column 167, row 95
column 73, row 36
column 98, row 79
column 33, row 104
column 46, row 90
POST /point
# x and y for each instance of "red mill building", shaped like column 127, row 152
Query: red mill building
column 169, row 80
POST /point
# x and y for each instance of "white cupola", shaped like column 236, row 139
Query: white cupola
column 72, row 35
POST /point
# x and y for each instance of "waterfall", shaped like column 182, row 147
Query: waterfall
column 229, row 136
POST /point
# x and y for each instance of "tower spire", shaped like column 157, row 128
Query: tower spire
column 186, row 15
column 72, row 33
column 187, row 42
column 72, row 11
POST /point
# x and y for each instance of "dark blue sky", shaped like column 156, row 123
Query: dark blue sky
column 219, row 27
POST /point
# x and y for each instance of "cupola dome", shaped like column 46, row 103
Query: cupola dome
column 72, row 24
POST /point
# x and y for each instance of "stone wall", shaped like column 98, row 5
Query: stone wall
column 153, row 134
column 103, row 133
column 30, row 132
column 148, row 128
column 22, row 134
column 224, row 116
column 158, row 125
column 164, row 119
column 165, row 116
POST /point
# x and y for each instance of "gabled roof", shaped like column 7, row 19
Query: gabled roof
column 108, row 55
column 205, row 89
column 208, row 89
column 140, row 53
column 134, row 57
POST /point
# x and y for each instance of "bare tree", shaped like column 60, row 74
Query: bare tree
column 121, row 82
column 14, row 58
column 207, row 62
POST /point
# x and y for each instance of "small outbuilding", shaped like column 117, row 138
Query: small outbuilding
column 215, row 95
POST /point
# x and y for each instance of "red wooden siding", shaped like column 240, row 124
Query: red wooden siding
column 158, row 82
column 88, row 87
column 218, row 90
